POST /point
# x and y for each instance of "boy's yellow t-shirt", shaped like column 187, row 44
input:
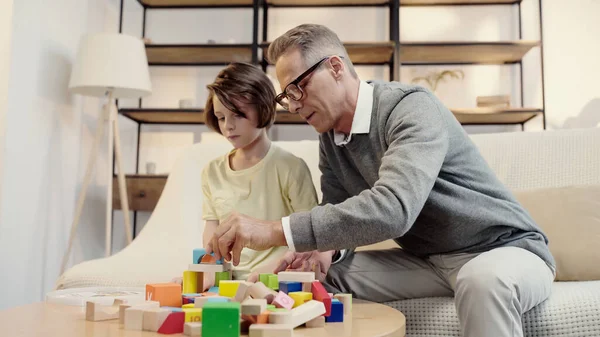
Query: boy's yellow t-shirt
column 278, row 185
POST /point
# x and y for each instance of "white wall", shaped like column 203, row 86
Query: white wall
column 6, row 12
column 48, row 136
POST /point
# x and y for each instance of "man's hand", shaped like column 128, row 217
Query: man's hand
column 238, row 231
column 315, row 261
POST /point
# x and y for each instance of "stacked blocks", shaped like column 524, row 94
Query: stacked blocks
column 274, row 306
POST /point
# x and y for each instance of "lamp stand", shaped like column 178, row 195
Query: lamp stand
column 111, row 117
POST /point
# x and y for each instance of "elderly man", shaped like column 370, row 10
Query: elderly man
column 396, row 164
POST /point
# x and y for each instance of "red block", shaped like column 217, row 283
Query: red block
column 173, row 324
column 321, row 295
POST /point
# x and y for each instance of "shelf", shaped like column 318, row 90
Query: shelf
column 190, row 116
column 422, row 53
column 326, row 3
column 490, row 116
column 456, row 2
column 198, row 54
column 363, row 52
column 143, row 191
column 194, row 3
column 315, row 3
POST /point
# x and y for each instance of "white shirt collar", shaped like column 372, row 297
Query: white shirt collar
column 361, row 123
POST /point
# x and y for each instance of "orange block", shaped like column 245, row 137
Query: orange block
column 207, row 258
column 167, row 294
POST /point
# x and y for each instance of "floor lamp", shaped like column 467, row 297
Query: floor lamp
column 113, row 66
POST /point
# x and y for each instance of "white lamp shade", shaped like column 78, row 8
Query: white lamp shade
column 111, row 61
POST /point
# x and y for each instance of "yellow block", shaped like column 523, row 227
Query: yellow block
column 300, row 297
column 190, row 282
column 189, row 305
column 193, row 314
column 228, row 288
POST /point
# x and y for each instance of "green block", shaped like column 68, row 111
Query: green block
column 222, row 275
column 277, row 309
column 221, row 319
column 271, row 306
column 273, row 283
column 264, row 278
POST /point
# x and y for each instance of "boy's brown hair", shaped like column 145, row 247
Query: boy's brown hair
column 242, row 82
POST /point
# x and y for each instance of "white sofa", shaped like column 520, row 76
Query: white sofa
column 530, row 163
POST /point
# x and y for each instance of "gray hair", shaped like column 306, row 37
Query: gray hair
column 314, row 42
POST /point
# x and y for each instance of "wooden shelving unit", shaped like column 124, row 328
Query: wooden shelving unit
column 422, row 53
column 200, row 54
column 363, row 53
column 144, row 191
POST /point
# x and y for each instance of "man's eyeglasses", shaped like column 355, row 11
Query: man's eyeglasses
column 294, row 90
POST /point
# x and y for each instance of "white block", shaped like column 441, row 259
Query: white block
column 206, row 268
column 134, row 318
column 306, row 312
column 154, row 318
column 192, row 329
column 254, row 306
column 281, row 317
column 296, row 276
column 271, row 330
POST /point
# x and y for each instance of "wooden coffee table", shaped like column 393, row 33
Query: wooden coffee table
column 54, row 320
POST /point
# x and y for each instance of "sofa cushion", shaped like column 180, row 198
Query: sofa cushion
column 570, row 216
column 573, row 309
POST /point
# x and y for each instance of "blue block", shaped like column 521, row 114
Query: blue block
column 337, row 312
column 290, row 286
column 213, row 290
column 199, row 253
column 173, row 309
column 217, row 299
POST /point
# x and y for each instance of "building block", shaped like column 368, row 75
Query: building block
column 346, row 300
column 282, row 300
column 320, row 294
column 167, row 294
column 206, row 268
column 192, row 329
column 222, row 275
column 317, row 322
column 173, row 324
column 187, row 306
column 193, row 314
column 290, row 286
column 296, row 276
column 277, row 310
column 218, row 299
column 253, row 306
column 132, row 317
column 96, row 312
column 243, row 291
column 122, row 308
column 264, row 278
column 306, row 312
column 193, row 282
column 280, row 317
column 200, row 301
column 209, row 259
column 190, row 298
column 260, row 290
column 173, row 309
column 198, row 253
column 214, row 290
column 244, row 325
column 221, row 319
column 273, row 282
column 270, row 306
column 307, row 287
column 228, row 288
column 154, row 318
column 300, row 297
column 270, row 330
column 337, row 312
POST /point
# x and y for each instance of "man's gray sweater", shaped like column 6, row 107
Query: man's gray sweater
column 416, row 177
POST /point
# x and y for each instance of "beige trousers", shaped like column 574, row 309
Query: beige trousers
column 491, row 290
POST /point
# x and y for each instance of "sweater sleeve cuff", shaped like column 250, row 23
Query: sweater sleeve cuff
column 302, row 232
column 287, row 232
